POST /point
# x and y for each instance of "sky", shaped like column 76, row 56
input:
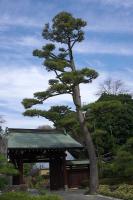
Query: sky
column 108, row 48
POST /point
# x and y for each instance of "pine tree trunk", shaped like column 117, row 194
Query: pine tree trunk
column 93, row 181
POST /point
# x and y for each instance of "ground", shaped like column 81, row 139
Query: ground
column 79, row 195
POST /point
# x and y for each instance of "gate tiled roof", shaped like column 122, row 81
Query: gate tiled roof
column 36, row 138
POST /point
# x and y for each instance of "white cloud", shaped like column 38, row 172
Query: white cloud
column 20, row 83
column 119, row 3
column 30, row 41
column 8, row 20
column 109, row 24
column 102, row 47
column 25, row 13
column 19, row 121
column 23, row 41
column 89, row 91
column 107, row 18
column 115, row 3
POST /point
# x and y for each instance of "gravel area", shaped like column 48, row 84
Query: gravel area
column 79, row 195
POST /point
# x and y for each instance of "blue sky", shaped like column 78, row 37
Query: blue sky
column 108, row 48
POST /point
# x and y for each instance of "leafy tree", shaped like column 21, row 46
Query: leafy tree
column 121, row 167
column 123, row 98
column 111, row 118
column 103, row 141
column 111, row 121
column 67, row 31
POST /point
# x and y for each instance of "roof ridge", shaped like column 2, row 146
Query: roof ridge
column 27, row 130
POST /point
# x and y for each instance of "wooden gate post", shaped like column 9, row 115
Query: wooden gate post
column 20, row 168
column 65, row 172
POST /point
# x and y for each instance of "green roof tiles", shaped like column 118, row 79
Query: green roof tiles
column 35, row 138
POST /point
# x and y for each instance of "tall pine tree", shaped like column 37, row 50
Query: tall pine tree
column 66, row 30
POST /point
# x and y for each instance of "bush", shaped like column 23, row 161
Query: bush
column 116, row 181
column 26, row 196
column 122, row 191
column 6, row 167
column 42, row 191
column 104, row 189
column 84, row 183
column 3, row 182
column 14, row 195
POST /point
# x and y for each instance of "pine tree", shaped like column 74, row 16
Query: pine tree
column 66, row 30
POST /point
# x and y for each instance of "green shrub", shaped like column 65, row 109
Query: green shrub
column 84, row 183
column 26, row 196
column 6, row 167
column 14, row 196
column 104, row 189
column 3, row 182
column 116, row 181
column 42, row 191
column 122, row 191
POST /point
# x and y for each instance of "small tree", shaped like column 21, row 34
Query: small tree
column 67, row 31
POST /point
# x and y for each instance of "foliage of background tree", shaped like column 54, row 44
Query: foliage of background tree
column 120, row 167
column 112, row 130
column 111, row 120
column 67, row 31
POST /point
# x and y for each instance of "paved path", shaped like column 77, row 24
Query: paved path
column 79, row 195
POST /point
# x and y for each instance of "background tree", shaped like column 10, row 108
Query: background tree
column 113, row 116
column 67, row 31
column 120, row 169
column 112, row 86
column 45, row 127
